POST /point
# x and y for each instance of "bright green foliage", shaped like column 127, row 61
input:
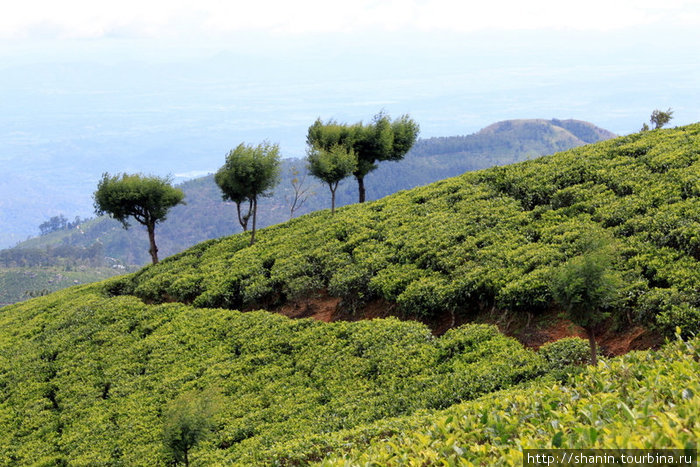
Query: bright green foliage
column 331, row 166
column 94, row 380
column 381, row 140
column 487, row 239
column 249, row 173
column 644, row 400
column 205, row 217
column 88, row 375
column 146, row 199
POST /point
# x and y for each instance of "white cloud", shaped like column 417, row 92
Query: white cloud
column 174, row 18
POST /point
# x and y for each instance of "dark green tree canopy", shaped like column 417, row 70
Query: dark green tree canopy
column 586, row 287
column 187, row 420
column 146, row 199
column 381, row 140
column 329, row 134
column 249, row 173
column 331, row 166
column 659, row 118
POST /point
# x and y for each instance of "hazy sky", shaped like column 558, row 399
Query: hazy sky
column 88, row 86
column 607, row 61
column 91, row 19
column 605, row 35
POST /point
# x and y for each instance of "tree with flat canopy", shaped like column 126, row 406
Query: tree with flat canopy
column 586, row 287
column 248, row 174
column 331, row 166
column 382, row 140
column 146, row 199
column 659, row 118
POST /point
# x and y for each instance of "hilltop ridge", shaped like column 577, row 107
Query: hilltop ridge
column 565, row 132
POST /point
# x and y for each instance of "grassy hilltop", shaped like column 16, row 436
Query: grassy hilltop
column 93, row 375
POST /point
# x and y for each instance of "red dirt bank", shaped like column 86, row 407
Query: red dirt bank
column 549, row 328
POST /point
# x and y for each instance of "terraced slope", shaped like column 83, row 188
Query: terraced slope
column 644, row 400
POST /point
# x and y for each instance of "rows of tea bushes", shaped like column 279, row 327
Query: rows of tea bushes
column 485, row 239
column 644, row 400
column 89, row 380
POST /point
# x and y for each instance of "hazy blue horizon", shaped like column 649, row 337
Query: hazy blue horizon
column 73, row 109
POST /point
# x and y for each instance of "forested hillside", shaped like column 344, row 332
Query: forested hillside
column 119, row 373
column 30, row 272
column 205, row 216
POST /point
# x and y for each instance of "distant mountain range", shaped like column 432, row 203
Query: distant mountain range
column 206, row 216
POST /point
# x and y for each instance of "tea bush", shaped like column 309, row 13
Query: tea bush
column 565, row 352
column 644, row 400
column 87, row 379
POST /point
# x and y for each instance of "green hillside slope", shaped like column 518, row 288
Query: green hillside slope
column 645, row 400
column 487, row 240
column 101, row 374
column 87, row 380
column 30, row 272
column 17, row 284
column 205, row 216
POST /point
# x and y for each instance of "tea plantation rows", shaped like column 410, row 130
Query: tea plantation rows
column 485, row 239
column 644, row 400
column 87, row 380
column 111, row 373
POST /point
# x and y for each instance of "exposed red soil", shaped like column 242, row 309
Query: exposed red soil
column 321, row 307
column 610, row 342
column 532, row 333
column 324, row 307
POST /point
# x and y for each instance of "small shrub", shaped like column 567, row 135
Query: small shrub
column 685, row 316
column 566, row 352
column 123, row 285
column 188, row 419
column 428, row 296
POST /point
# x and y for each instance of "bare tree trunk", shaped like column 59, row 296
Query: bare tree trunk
column 243, row 223
column 594, row 350
column 255, row 215
column 333, row 197
column 152, row 239
column 243, row 220
column 361, row 188
column 300, row 195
